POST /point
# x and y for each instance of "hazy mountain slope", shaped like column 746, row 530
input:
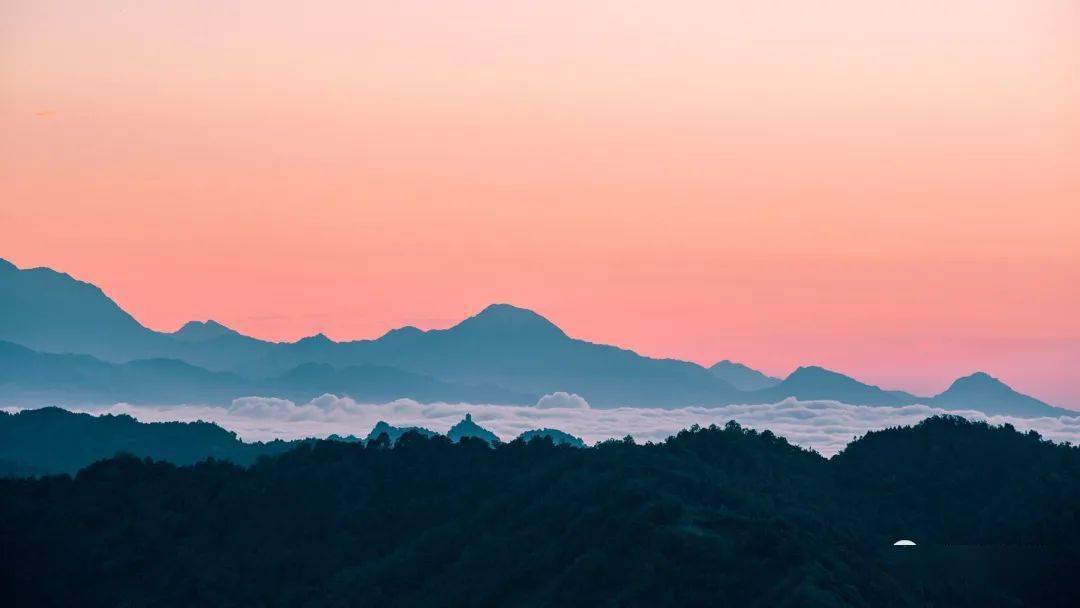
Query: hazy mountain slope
column 31, row 378
column 987, row 394
column 524, row 352
column 818, row 383
column 28, row 377
column 742, row 377
column 50, row 311
column 378, row 384
column 503, row 354
column 503, row 345
column 201, row 331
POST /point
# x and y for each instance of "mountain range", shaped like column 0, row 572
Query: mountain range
column 64, row 341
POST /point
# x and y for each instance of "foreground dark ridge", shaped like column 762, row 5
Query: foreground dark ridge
column 503, row 354
column 718, row 516
column 52, row 440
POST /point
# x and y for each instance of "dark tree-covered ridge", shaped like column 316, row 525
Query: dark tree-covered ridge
column 712, row 517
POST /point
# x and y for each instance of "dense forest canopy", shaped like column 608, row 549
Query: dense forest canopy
column 716, row 516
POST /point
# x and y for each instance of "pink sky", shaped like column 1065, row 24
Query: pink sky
column 890, row 189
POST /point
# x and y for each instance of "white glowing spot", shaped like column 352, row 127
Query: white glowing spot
column 904, row 543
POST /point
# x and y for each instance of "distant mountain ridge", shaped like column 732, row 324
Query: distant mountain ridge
column 814, row 382
column 201, row 331
column 742, row 377
column 53, row 312
column 992, row 396
column 31, row 378
column 503, row 354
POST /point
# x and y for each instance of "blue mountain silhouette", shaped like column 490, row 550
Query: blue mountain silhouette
column 201, row 331
column 503, row 354
column 742, row 377
column 813, row 382
column 31, row 378
column 468, row 428
column 987, row 394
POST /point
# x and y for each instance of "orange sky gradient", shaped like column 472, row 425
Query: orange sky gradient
column 889, row 189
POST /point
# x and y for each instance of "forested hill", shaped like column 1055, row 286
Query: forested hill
column 52, row 440
column 712, row 517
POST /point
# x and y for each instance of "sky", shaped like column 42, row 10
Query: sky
column 890, row 189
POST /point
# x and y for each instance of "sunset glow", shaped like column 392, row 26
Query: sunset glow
column 889, row 189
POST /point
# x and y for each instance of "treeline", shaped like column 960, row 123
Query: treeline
column 711, row 517
column 53, row 440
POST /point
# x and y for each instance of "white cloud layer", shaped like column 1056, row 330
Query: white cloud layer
column 561, row 400
column 826, row 426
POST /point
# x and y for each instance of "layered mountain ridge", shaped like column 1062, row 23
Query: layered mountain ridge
column 79, row 345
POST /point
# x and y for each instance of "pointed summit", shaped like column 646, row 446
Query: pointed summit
column 978, row 379
column 816, row 373
column 814, row 382
column 979, row 384
column 407, row 332
column 742, row 377
column 508, row 320
column 201, row 331
column 985, row 393
column 468, row 428
column 318, row 339
column 816, row 378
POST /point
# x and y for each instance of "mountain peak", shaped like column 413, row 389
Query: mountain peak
column 981, row 383
column 51, row 311
column 201, row 331
column 815, row 372
column 979, row 379
column 508, row 319
column 815, row 382
column 468, row 428
column 985, row 393
column 318, row 339
column 741, row 376
column 402, row 335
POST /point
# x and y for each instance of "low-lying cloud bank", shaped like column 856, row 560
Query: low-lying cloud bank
column 826, row 426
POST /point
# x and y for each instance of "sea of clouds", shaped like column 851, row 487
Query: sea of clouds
column 825, row 426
